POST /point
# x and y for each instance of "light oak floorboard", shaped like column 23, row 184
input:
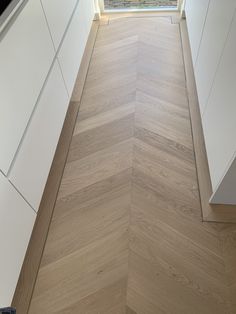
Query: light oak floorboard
column 127, row 235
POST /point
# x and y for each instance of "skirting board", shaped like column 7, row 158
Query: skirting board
column 29, row 271
column 210, row 212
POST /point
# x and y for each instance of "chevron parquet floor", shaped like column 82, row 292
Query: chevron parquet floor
column 127, row 235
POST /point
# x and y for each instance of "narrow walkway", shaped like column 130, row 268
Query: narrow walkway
column 126, row 235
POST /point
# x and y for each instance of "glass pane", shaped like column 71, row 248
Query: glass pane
column 139, row 4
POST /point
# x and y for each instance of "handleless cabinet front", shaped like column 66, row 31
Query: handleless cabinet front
column 34, row 158
column 16, row 224
column 72, row 49
column 196, row 12
column 26, row 54
column 215, row 34
column 219, row 118
column 58, row 14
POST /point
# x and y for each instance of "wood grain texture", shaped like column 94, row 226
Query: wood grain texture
column 211, row 212
column 34, row 253
column 127, row 234
column 130, row 311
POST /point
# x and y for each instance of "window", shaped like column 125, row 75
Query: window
column 139, row 4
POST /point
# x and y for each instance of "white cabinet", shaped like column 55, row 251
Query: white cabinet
column 58, row 14
column 219, row 121
column 26, row 54
column 16, row 224
column 196, row 11
column 219, row 18
column 33, row 104
column 212, row 32
column 225, row 191
column 72, row 49
column 34, row 158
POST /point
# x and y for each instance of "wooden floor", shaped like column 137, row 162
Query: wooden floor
column 127, row 235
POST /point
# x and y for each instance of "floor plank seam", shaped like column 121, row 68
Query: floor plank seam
column 127, row 234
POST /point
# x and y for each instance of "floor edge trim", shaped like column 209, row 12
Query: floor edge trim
column 210, row 213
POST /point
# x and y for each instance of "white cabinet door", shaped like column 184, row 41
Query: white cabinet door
column 219, row 19
column 219, row 119
column 16, row 224
column 196, row 11
column 225, row 192
column 26, row 54
column 58, row 15
column 72, row 49
column 34, row 158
